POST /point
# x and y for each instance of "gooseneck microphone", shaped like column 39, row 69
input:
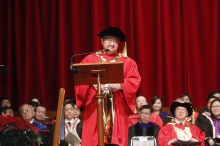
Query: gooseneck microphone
column 71, row 60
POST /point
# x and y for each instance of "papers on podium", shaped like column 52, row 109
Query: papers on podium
column 72, row 137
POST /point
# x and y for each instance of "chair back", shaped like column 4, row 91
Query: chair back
column 143, row 141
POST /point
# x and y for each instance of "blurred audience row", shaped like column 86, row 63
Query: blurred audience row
column 182, row 124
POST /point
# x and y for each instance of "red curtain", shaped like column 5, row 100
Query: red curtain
column 174, row 42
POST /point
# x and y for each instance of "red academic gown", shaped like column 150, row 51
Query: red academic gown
column 124, row 103
column 167, row 133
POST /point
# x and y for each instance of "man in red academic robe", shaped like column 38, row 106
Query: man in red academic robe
column 180, row 130
column 122, row 95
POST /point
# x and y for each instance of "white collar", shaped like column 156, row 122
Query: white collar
column 71, row 121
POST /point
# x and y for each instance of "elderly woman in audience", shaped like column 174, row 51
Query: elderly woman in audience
column 157, row 107
column 211, row 124
column 179, row 129
column 5, row 111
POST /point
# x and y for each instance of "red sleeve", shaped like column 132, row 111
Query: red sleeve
column 131, row 83
column 166, row 134
column 154, row 118
column 198, row 134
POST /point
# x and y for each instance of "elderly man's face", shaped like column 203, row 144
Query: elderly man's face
column 181, row 113
column 111, row 43
column 27, row 112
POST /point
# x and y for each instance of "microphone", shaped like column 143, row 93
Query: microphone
column 71, row 60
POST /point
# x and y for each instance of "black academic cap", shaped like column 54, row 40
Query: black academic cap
column 113, row 31
column 188, row 106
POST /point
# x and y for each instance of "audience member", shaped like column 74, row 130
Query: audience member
column 70, row 122
column 78, row 111
column 143, row 127
column 157, row 107
column 205, row 110
column 5, row 102
column 180, row 128
column 140, row 101
column 27, row 112
column 187, row 98
column 211, row 124
column 45, row 128
column 5, row 111
column 35, row 101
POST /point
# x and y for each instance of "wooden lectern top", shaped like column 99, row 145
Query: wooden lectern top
column 109, row 72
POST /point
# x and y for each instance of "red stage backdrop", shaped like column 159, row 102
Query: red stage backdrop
column 176, row 44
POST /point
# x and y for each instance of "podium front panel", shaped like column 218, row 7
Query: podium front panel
column 110, row 72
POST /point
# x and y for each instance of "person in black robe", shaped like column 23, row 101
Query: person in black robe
column 144, row 127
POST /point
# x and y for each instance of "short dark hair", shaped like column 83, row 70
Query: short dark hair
column 185, row 94
column 40, row 105
column 138, row 95
column 3, row 98
column 216, row 99
column 209, row 97
column 35, row 97
column 68, row 102
column 145, row 107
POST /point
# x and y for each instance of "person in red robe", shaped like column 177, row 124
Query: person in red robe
column 133, row 119
column 180, row 130
column 123, row 95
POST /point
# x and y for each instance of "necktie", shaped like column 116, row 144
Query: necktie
column 69, row 123
column 181, row 123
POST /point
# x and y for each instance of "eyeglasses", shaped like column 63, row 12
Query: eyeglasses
column 26, row 111
column 215, row 106
column 4, row 103
column 144, row 114
column 40, row 112
column 67, row 109
column 112, row 40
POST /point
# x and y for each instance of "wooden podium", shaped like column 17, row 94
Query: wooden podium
column 97, row 73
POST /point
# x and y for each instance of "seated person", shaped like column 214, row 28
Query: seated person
column 211, row 124
column 133, row 119
column 5, row 102
column 34, row 101
column 187, row 98
column 27, row 112
column 157, row 108
column 78, row 111
column 5, row 111
column 143, row 127
column 205, row 111
column 179, row 128
column 70, row 122
column 45, row 128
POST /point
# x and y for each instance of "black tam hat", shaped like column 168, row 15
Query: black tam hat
column 188, row 106
column 113, row 31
